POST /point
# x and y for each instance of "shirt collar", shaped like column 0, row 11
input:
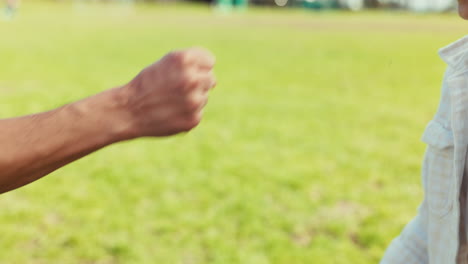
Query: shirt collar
column 456, row 53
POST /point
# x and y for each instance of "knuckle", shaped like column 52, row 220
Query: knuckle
column 211, row 82
column 172, row 56
column 177, row 57
column 193, row 103
column 211, row 60
column 188, row 82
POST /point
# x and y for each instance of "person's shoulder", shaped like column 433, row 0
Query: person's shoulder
column 456, row 54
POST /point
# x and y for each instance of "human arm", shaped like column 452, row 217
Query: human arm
column 164, row 99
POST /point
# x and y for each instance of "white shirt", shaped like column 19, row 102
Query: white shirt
column 433, row 236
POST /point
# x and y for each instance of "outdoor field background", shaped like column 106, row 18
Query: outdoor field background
column 309, row 151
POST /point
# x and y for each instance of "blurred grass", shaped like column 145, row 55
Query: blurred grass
column 309, row 151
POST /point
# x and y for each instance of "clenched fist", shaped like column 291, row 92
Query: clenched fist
column 168, row 97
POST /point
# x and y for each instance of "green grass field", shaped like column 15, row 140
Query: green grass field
column 309, row 151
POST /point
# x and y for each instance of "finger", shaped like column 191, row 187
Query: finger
column 190, row 121
column 207, row 81
column 195, row 101
column 201, row 57
column 206, row 85
column 199, row 81
column 199, row 113
column 213, row 81
column 205, row 102
column 201, row 106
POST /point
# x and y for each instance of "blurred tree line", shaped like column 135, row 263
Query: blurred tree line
column 355, row 5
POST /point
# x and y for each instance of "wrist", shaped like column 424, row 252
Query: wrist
column 109, row 113
column 117, row 108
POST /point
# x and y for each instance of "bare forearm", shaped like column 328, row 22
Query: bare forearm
column 164, row 99
column 33, row 146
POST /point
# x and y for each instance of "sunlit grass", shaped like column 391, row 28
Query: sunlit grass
column 309, row 151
